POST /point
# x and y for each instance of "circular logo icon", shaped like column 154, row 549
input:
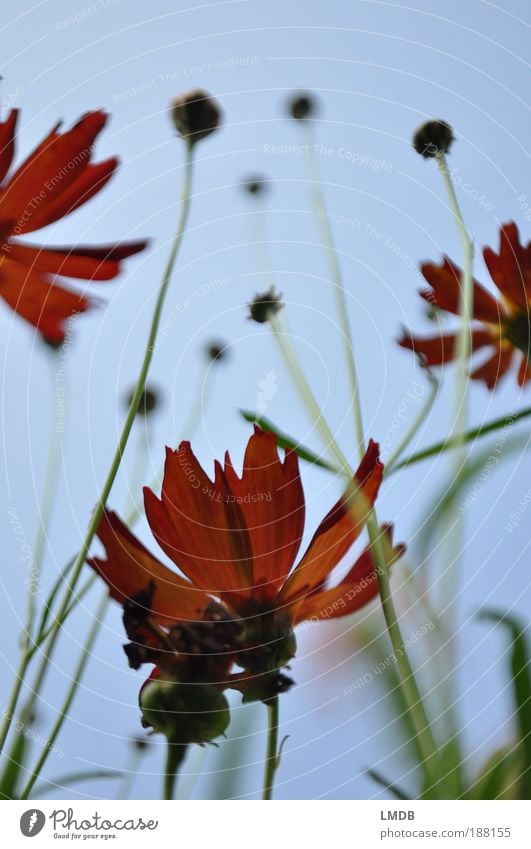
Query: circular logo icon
column 32, row 822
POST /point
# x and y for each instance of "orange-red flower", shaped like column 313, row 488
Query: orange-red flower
column 57, row 178
column 236, row 538
column 503, row 325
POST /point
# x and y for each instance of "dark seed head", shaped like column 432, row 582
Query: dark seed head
column 255, row 185
column 302, row 106
column 149, row 400
column 433, row 138
column 216, row 351
column 265, row 306
column 195, row 115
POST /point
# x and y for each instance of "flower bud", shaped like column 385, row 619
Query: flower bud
column 255, row 185
column 433, row 138
column 195, row 115
column 149, row 400
column 302, row 106
column 265, row 306
column 216, row 351
column 184, row 713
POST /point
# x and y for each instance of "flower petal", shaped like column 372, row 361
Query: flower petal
column 511, row 268
column 272, row 502
column 43, row 304
column 50, row 170
column 129, row 569
column 442, row 349
column 494, row 368
column 358, row 587
column 337, row 532
column 445, row 282
column 199, row 525
column 100, row 263
column 87, row 183
column 7, row 142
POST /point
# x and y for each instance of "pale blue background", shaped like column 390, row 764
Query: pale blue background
column 379, row 69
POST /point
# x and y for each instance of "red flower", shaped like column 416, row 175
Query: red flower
column 236, row 539
column 502, row 325
column 57, row 178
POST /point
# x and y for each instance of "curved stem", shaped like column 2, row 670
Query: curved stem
column 424, row 412
column 272, row 758
column 128, row 424
column 51, row 478
column 78, row 672
column 338, row 285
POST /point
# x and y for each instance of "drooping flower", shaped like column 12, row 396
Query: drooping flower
column 56, row 179
column 236, row 538
column 503, row 325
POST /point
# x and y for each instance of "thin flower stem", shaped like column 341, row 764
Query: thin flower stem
column 283, row 338
column 43, row 635
column 51, row 480
column 457, row 434
column 408, row 683
column 410, row 690
column 337, row 282
column 45, row 510
column 416, row 425
column 465, row 312
column 174, row 758
column 128, row 424
column 78, row 672
column 272, row 757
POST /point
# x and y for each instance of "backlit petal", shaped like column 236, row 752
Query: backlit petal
column 272, row 501
column 338, row 530
column 129, row 568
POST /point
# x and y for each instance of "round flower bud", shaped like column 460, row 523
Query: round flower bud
column 433, row 138
column 149, row 400
column 302, row 106
column 216, row 351
column 195, row 115
column 265, row 306
column 184, row 713
column 255, row 185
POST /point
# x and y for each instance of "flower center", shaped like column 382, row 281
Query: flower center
column 517, row 329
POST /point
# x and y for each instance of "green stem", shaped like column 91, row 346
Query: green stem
column 338, row 285
column 412, row 697
column 466, row 296
column 272, row 758
column 411, row 693
column 51, row 478
column 51, row 481
column 408, row 683
column 174, row 758
column 424, row 412
column 128, row 424
column 283, row 338
column 450, row 576
column 78, row 672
